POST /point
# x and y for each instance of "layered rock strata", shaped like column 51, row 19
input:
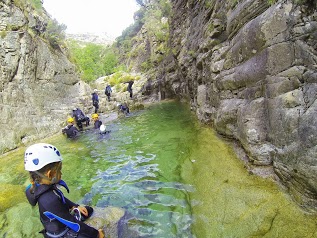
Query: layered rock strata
column 250, row 70
column 38, row 84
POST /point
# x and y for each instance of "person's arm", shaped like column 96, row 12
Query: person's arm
column 101, row 234
column 30, row 196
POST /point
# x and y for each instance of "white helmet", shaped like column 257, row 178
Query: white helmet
column 102, row 128
column 38, row 155
column 95, row 90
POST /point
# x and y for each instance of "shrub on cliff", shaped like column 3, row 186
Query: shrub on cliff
column 55, row 33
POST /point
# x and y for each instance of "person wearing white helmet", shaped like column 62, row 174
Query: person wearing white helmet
column 102, row 129
column 44, row 163
column 95, row 100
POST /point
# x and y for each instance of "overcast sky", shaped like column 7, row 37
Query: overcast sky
column 94, row 16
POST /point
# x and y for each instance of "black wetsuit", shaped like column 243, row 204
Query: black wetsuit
column 97, row 124
column 95, row 101
column 80, row 118
column 108, row 92
column 124, row 109
column 71, row 131
column 50, row 198
column 130, row 83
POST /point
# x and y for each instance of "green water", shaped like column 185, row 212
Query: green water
column 174, row 178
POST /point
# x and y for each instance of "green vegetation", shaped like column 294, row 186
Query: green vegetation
column 150, row 47
column 55, row 33
column 37, row 5
column 92, row 60
column 3, row 34
column 119, row 77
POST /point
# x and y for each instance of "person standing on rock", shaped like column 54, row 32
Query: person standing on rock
column 130, row 83
column 108, row 91
column 59, row 216
column 95, row 100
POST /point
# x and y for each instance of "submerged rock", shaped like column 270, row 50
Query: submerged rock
column 109, row 219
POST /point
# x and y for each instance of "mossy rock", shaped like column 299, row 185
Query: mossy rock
column 21, row 221
column 137, row 106
column 10, row 195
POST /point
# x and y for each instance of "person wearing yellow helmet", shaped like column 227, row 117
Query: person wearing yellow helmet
column 70, row 120
column 44, row 163
column 70, row 130
column 97, row 122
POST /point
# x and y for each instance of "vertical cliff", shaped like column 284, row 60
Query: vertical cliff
column 38, row 84
column 249, row 69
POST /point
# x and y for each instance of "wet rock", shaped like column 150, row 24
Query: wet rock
column 109, row 219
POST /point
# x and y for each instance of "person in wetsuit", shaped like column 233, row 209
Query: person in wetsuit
column 44, row 163
column 95, row 100
column 129, row 88
column 80, row 118
column 108, row 91
column 70, row 130
column 124, row 108
column 97, row 122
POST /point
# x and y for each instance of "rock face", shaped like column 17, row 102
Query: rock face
column 38, row 84
column 250, row 71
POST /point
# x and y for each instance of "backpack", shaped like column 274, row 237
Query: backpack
column 78, row 115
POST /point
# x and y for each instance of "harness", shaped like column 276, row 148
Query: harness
column 71, row 228
column 57, row 235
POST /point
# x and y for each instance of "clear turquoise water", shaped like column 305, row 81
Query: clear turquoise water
column 174, row 178
column 137, row 166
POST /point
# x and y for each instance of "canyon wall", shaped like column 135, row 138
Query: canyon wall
column 249, row 69
column 38, row 84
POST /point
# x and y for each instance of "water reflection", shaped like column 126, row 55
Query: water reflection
column 134, row 178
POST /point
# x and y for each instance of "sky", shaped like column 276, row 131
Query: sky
column 93, row 16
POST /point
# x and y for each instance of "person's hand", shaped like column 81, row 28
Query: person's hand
column 101, row 234
column 83, row 210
